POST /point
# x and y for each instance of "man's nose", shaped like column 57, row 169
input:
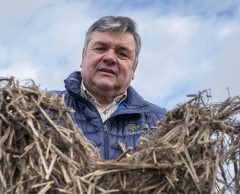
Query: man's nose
column 110, row 57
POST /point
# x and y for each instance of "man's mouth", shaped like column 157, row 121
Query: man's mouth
column 106, row 70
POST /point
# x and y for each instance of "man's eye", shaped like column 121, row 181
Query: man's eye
column 123, row 55
column 100, row 49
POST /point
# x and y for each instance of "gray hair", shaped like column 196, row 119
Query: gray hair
column 117, row 24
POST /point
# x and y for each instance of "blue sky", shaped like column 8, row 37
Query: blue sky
column 187, row 45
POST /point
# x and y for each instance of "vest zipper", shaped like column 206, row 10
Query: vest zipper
column 106, row 143
column 105, row 130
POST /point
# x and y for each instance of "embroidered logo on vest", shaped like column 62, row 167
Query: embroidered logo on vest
column 133, row 127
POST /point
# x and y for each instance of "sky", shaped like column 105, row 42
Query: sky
column 187, row 45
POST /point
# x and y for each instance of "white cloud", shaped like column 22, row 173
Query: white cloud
column 226, row 72
column 176, row 51
column 23, row 70
column 49, row 36
column 3, row 56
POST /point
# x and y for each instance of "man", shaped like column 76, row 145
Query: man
column 107, row 109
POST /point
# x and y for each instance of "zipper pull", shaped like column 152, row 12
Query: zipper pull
column 105, row 128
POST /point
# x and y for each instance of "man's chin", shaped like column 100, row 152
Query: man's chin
column 106, row 86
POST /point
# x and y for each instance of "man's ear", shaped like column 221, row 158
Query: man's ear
column 83, row 55
column 135, row 65
column 133, row 76
column 83, row 52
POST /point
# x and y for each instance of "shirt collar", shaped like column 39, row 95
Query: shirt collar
column 86, row 94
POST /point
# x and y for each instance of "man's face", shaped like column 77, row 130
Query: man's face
column 108, row 62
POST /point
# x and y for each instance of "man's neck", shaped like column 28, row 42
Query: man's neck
column 103, row 101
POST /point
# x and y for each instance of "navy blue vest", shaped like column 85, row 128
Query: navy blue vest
column 134, row 117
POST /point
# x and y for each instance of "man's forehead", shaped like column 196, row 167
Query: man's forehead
column 109, row 37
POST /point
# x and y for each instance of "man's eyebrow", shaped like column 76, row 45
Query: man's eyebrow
column 123, row 48
column 101, row 43
column 106, row 43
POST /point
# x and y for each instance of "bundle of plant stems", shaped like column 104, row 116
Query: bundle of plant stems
column 194, row 149
column 42, row 150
